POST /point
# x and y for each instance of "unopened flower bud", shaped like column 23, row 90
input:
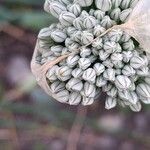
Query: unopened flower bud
column 109, row 74
column 57, row 86
column 122, row 82
column 89, row 89
column 86, row 37
column 104, row 5
column 99, row 68
column 125, row 14
column 72, row 60
column 99, row 14
column 63, row 73
column 62, row 96
column 84, row 63
column 89, row 75
column 128, row 70
column 58, row 36
column 67, row 18
column 87, row 101
column 77, row 73
column 89, row 22
column 74, row 8
column 56, row 8
column 110, row 103
column 74, row 98
column 74, row 85
column 100, row 81
column 84, row 3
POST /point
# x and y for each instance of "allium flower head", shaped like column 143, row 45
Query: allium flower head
column 113, row 63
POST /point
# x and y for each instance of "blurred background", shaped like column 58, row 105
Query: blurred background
column 30, row 120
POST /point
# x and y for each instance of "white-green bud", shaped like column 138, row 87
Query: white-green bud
column 109, row 74
column 107, row 22
column 86, row 37
column 77, row 73
column 98, row 30
column 118, row 72
column 125, row 4
column 127, row 55
column 51, row 73
column 100, row 81
column 62, row 96
column 128, row 70
column 45, row 34
column 84, row 63
column 78, row 23
column 131, row 97
column 116, row 58
column 137, row 62
column 110, row 47
column 108, row 63
column 74, row 85
column 103, row 55
column 122, row 82
column 68, row 42
column 92, row 58
column 57, row 50
column 85, row 52
column 87, row 101
column 147, row 80
column 56, row 8
column 144, row 71
column 73, row 47
column 125, row 14
column 91, row 12
column 57, row 86
column 118, row 48
column 63, row 73
column 128, row 46
column 84, row 14
column 115, row 35
column 116, row 3
column 107, row 87
column 67, row 18
column 98, row 14
column 74, row 8
column 58, row 36
column 115, row 14
column 76, row 36
column 137, row 107
column 104, row 5
column 98, row 43
column 89, row 75
column 71, row 30
column 89, row 22
column 112, row 92
column 66, row 2
column 95, row 51
column 99, row 68
column 65, row 51
column 72, row 60
column 89, row 90
column 84, row 3
column 110, row 103
column 125, row 37
column 143, row 91
column 74, row 98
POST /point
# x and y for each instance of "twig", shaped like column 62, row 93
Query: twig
column 76, row 129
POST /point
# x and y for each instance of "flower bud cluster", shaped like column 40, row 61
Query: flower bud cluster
column 113, row 64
